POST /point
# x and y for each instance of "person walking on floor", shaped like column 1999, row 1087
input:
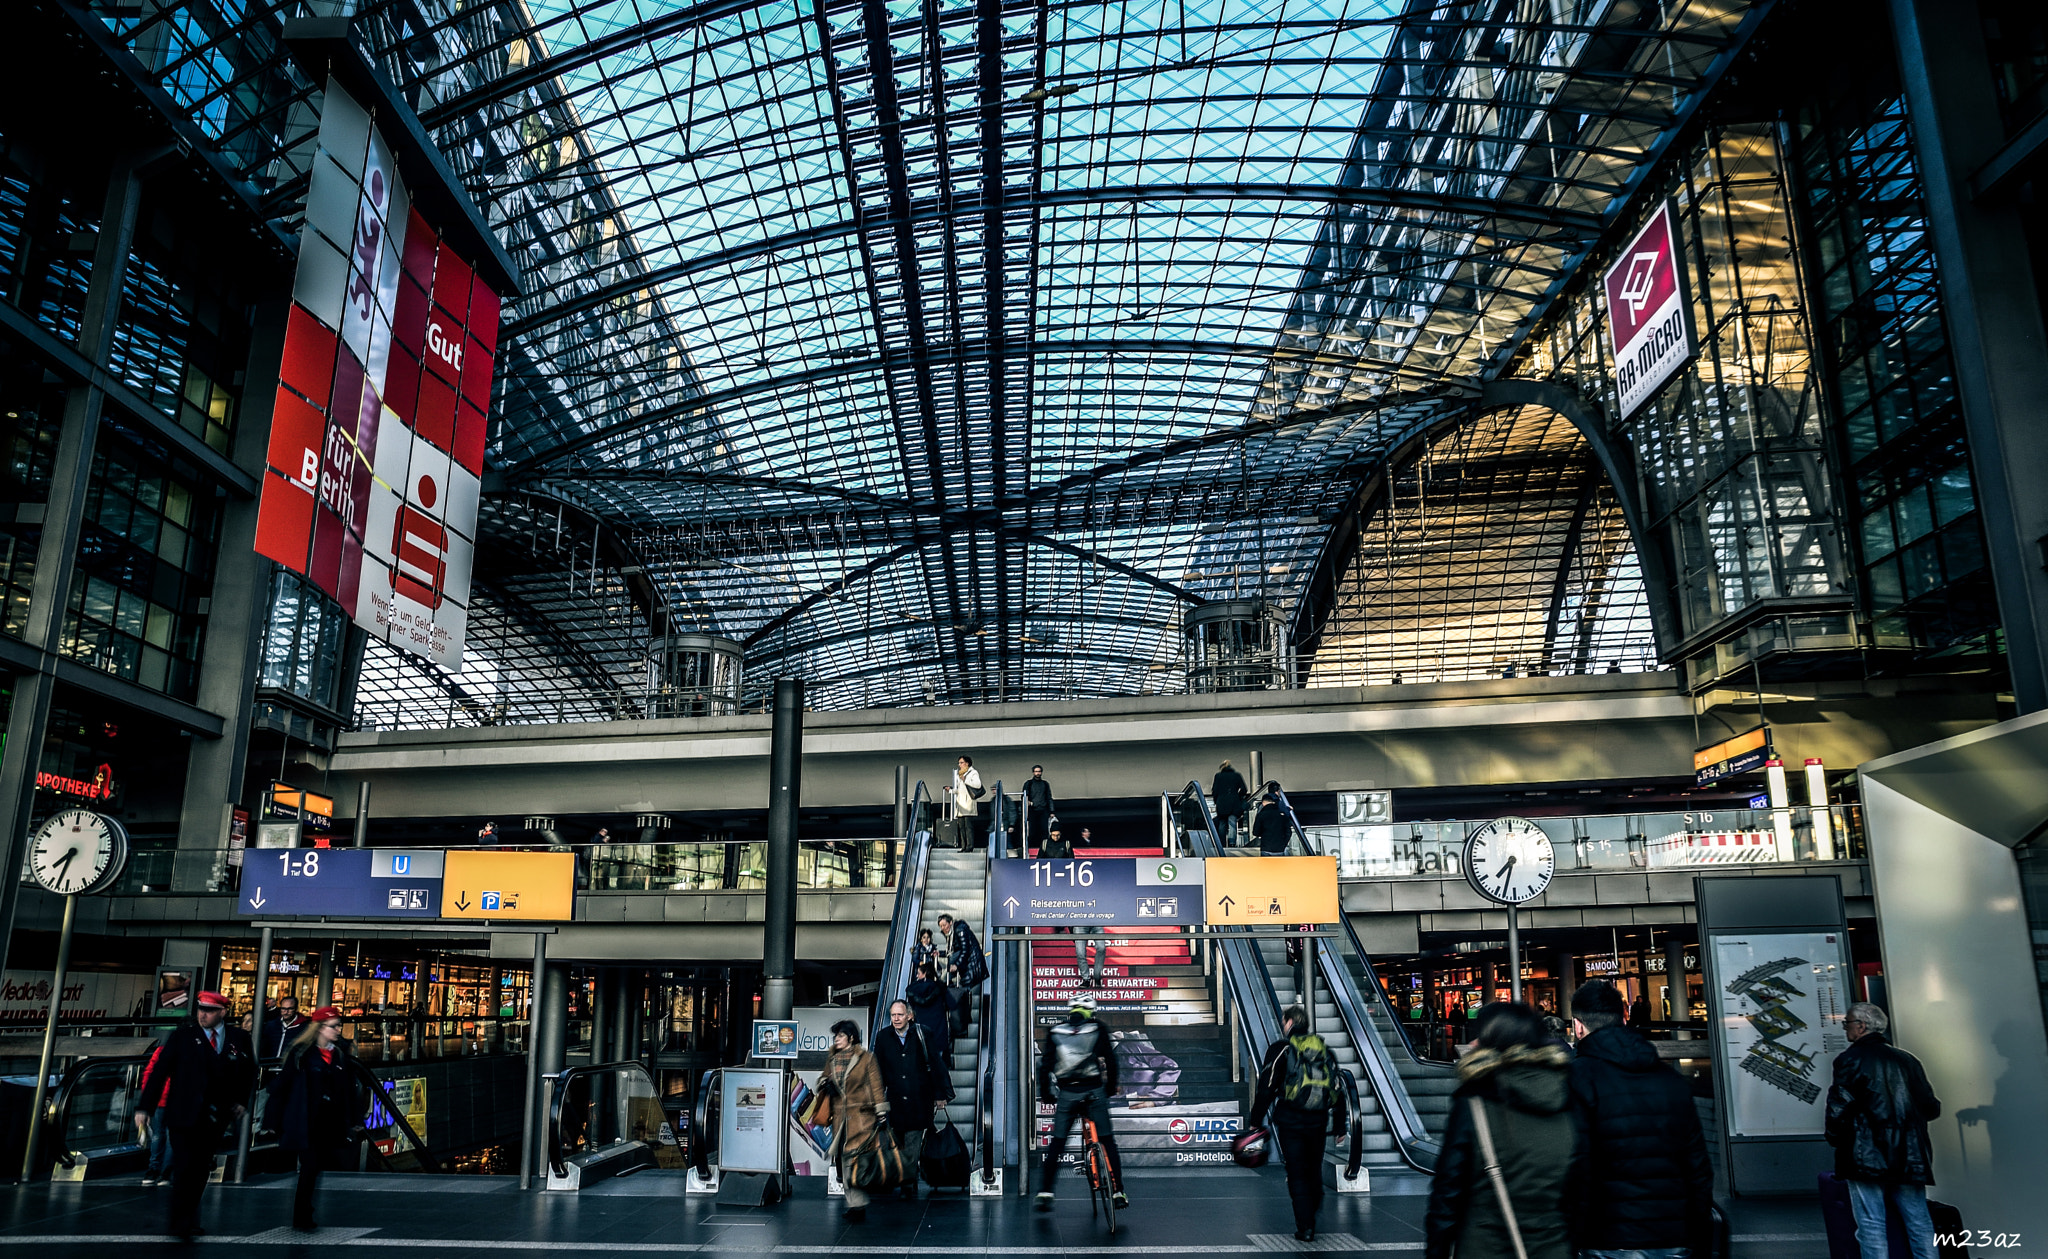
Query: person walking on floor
column 1879, row 1107
column 315, row 1104
column 1298, row 1083
column 155, row 1134
column 1077, row 1077
column 1272, row 827
column 1227, row 794
column 281, row 1026
column 1038, row 805
column 860, row 1105
column 1649, row 1186
column 203, row 1083
column 917, row 1081
column 966, row 967
column 1513, row 1165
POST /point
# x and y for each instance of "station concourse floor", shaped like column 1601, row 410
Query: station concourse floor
column 1212, row 1212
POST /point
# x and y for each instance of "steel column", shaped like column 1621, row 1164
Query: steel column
column 785, row 776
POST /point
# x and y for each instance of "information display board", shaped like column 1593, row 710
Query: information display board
column 753, row 1132
column 408, row 883
column 1102, row 892
column 377, row 432
column 1782, row 999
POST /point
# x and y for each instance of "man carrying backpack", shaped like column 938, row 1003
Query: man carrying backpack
column 1298, row 1081
column 1077, row 1077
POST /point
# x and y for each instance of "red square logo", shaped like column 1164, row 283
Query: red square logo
column 296, row 432
column 409, row 323
column 451, row 284
column 435, row 419
column 329, row 537
column 402, row 386
column 420, row 241
column 470, row 437
column 483, row 316
column 476, row 376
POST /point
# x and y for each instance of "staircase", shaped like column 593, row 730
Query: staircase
column 956, row 883
column 1176, row 1105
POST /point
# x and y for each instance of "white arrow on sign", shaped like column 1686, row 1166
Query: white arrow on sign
column 1009, row 903
column 256, row 901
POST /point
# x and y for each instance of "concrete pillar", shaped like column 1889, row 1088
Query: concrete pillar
column 1992, row 309
column 1674, row 979
column 63, row 516
column 1568, row 980
column 626, row 1023
column 602, row 1010
column 324, row 993
column 785, row 778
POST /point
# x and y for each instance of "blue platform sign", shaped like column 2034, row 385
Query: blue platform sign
column 1098, row 892
column 341, row 883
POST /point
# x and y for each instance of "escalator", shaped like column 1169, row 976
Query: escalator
column 1403, row 1099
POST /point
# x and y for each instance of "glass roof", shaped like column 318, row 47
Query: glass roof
column 947, row 351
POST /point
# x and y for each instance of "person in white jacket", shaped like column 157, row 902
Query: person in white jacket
column 966, row 789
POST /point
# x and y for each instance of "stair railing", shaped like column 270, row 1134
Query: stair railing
column 909, row 912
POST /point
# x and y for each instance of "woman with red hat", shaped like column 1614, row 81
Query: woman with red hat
column 314, row 1105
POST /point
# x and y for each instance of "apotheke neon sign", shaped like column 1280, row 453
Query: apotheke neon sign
column 99, row 787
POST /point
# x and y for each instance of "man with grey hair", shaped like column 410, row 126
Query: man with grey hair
column 1878, row 1110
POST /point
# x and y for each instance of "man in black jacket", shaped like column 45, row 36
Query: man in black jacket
column 1301, row 1131
column 915, row 1078
column 1227, row 795
column 967, row 965
column 1272, row 827
column 203, row 1080
column 1650, row 1188
column 1077, row 1077
column 1878, row 1110
column 1038, row 801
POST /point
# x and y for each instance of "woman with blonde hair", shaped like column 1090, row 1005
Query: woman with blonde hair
column 315, row 1104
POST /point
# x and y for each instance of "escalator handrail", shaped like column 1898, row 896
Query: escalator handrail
column 1258, row 1005
column 1417, row 1147
column 909, row 913
column 1356, row 1156
column 985, row 1051
column 418, row 1143
column 561, row 1094
column 703, row 1138
column 59, row 1102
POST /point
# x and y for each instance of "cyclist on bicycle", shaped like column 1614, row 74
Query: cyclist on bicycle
column 1077, row 1077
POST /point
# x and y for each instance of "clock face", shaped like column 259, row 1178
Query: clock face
column 1509, row 860
column 77, row 851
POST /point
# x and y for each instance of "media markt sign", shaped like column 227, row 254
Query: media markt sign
column 1649, row 311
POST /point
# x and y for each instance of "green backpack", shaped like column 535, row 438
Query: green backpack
column 1311, row 1078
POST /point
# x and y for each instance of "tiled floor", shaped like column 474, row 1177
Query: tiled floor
column 1171, row 1214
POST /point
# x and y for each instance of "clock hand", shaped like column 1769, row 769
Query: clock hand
column 63, row 863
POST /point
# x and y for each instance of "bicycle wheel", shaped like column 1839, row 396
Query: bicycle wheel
column 1102, row 1183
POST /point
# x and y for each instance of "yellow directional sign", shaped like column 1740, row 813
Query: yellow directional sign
column 1270, row 891
column 508, row 885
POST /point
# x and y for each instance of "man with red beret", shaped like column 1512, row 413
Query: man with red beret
column 203, row 1080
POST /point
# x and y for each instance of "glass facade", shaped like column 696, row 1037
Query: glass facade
column 1917, row 538
column 145, row 566
column 304, row 643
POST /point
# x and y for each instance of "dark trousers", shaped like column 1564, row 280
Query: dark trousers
column 191, row 1163
column 311, row 1164
column 963, row 1010
column 1071, row 1107
column 1301, row 1145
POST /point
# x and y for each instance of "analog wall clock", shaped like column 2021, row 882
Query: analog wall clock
column 1509, row 860
column 78, row 852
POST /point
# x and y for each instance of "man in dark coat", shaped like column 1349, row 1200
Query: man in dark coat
column 1878, row 1110
column 1650, row 1188
column 203, row 1080
column 914, row 1077
column 1302, row 1132
column 1227, row 794
column 281, row 1026
column 967, row 965
column 1038, row 799
column 1272, row 827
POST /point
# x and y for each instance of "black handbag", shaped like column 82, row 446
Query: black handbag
column 945, row 1163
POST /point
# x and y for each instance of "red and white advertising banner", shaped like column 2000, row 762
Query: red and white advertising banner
column 377, row 441
column 1649, row 311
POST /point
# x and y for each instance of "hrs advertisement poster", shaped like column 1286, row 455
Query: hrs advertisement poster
column 377, row 439
column 1782, row 999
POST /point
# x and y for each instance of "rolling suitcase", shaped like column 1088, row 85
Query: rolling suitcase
column 1840, row 1220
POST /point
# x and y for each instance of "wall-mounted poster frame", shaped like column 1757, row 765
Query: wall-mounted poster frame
column 1775, row 955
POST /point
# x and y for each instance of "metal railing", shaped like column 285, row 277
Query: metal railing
column 1605, row 843
column 91, row 1115
column 909, row 912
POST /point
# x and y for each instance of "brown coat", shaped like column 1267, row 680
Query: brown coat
column 858, row 1104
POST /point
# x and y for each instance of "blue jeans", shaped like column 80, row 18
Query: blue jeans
column 159, row 1147
column 1661, row 1252
column 1867, row 1199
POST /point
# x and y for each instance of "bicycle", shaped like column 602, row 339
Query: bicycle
column 1101, row 1183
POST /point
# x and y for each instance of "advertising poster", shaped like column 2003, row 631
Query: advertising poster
column 751, row 1118
column 88, row 995
column 775, row 1038
column 377, row 435
column 1782, row 997
column 1649, row 312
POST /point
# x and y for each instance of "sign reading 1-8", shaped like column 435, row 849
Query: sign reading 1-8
column 1062, row 874
column 301, row 863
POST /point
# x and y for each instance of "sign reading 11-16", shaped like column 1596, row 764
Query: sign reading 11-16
column 1163, row 891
